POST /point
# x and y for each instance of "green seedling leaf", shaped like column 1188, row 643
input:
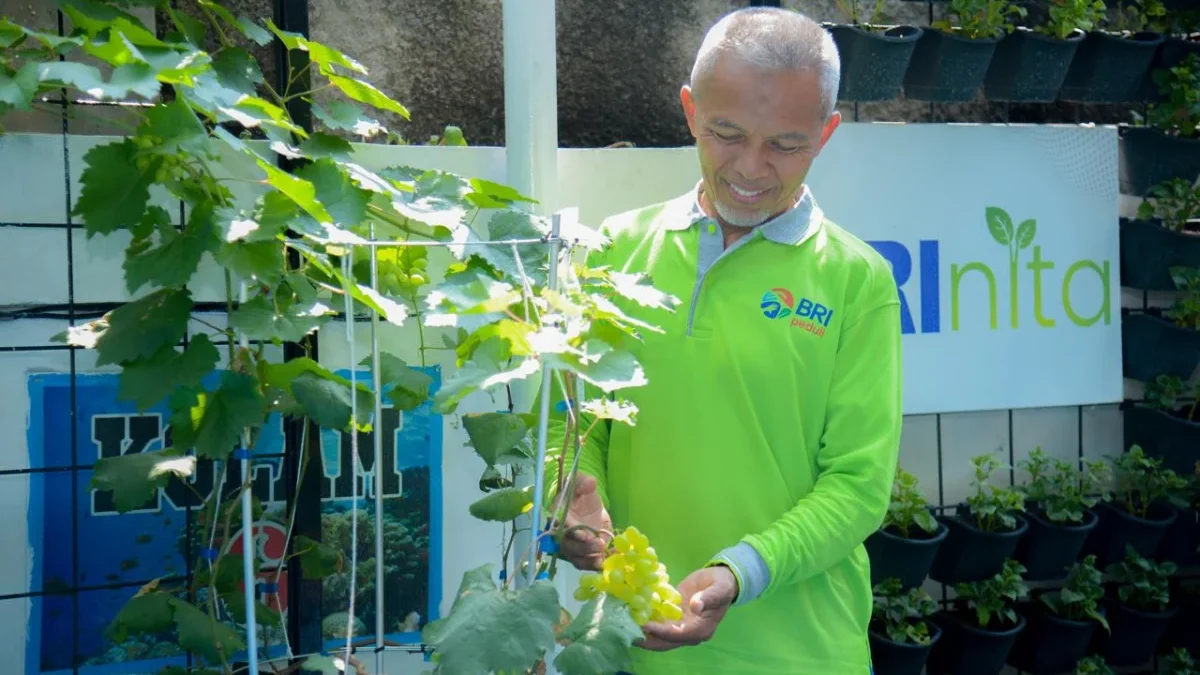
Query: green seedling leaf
column 600, row 637
column 999, row 224
column 327, row 401
column 134, row 479
column 317, row 559
column 494, row 434
column 115, row 192
column 174, row 261
column 492, row 630
column 235, row 405
column 145, row 382
column 1026, row 232
column 503, row 505
column 198, row 633
column 144, row 614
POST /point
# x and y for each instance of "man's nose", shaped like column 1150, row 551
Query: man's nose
column 750, row 164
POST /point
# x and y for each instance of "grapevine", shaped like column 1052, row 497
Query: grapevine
column 632, row 573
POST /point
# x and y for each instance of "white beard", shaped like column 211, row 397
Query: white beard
column 739, row 220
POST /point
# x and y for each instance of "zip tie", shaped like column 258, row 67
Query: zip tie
column 270, row 587
column 503, row 575
column 209, row 554
column 542, row 576
column 241, row 453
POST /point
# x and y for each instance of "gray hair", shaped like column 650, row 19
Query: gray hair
column 771, row 38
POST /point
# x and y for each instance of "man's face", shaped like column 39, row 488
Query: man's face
column 757, row 134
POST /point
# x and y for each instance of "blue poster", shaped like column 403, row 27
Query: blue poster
column 154, row 541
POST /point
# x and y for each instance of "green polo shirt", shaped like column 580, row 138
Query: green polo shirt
column 767, row 436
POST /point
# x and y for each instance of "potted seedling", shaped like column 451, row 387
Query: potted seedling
column 1061, row 622
column 1181, row 30
column 979, row 629
column 1181, row 544
column 900, row 632
column 1031, row 63
column 984, row 531
column 1164, row 234
column 1165, row 143
column 905, row 544
column 874, row 57
column 1140, row 512
column 953, row 54
column 1059, row 497
column 1184, row 631
column 1138, row 612
column 1093, row 665
column 1166, row 342
column 1180, row 662
column 1166, row 423
column 1110, row 65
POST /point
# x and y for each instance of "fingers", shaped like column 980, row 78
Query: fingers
column 665, row 636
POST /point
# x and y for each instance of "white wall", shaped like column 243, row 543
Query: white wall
column 936, row 447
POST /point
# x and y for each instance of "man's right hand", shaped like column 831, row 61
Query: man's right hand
column 584, row 549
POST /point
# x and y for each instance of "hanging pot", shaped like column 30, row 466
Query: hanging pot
column 1152, row 346
column 1029, row 66
column 966, row 648
column 1135, row 633
column 947, row 67
column 1164, row 436
column 1148, row 157
column 1118, row 529
column 1109, row 68
column 1047, row 549
column 971, row 554
column 1050, row 644
column 1149, row 251
column 905, row 558
column 1181, row 543
column 1184, row 630
column 873, row 62
column 900, row 658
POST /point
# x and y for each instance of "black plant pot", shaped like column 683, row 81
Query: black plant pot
column 902, row 558
column 1152, row 346
column 1048, row 548
column 873, row 62
column 1117, row 528
column 1050, row 644
column 970, row 554
column 1184, row 630
column 946, row 67
column 1148, row 157
column 1181, row 543
column 1029, row 66
column 1172, row 53
column 1134, row 636
column 1164, row 436
column 1149, row 251
column 967, row 650
column 895, row 658
column 1109, row 68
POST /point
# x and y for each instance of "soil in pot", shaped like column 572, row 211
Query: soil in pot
column 1029, row 66
column 947, row 67
column 1149, row 251
column 966, row 648
column 1148, row 157
column 1109, row 68
column 900, row 658
column 873, row 61
column 1165, row 435
column 1050, row 644
column 1153, row 345
column 1047, row 549
column 971, row 554
column 1135, row 633
column 905, row 558
column 1118, row 528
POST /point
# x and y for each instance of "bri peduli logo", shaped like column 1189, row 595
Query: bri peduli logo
column 779, row 303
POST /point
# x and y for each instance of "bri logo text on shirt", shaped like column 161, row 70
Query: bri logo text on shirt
column 781, row 304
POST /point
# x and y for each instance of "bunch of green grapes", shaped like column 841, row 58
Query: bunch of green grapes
column 632, row 573
column 171, row 166
column 403, row 272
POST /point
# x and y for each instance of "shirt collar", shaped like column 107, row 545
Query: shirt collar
column 792, row 227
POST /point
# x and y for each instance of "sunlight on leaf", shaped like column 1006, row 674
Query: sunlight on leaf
column 605, row 409
column 114, row 192
column 599, row 638
column 503, row 505
column 134, row 479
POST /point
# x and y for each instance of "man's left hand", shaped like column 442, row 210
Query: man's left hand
column 707, row 595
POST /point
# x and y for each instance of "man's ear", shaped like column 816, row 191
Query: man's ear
column 831, row 125
column 687, row 98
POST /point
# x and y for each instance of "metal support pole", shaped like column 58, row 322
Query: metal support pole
column 377, row 424
column 249, row 550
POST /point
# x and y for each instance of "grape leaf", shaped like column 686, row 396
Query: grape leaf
column 999, row 224
column 601, row 365
column 494, row 630
column 342, row 199
column 348, row 117
column 600, row 638
column 364, row 92
column 259, row 319
column 406, row 387
column 494, row 434
column 321, row 664
column 136, row 77
column 18, row 90
column 176, row 258
column 198, row 633
column 115, row 192
column 631, row 286
column 322, row 55
column 134, row 479
column 235, row 405
column 255, row 112
column 143, row 614
column 503, row 505
column 317, row 558
column 140, row 328
column 148, row 381
column 178, row 127
column 321, row 145
column 327, row 401
column 260, row 261
column 237, row 69
column 489, row 367
column 605, row 409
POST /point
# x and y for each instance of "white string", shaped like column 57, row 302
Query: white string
column 347, row 270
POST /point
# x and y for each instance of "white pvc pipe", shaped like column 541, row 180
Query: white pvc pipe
column 249, row 551
column 377, row 425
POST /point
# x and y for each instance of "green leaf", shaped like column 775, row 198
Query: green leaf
column 1026, row 232
column 131, row 77
column 148, row 381
column 327, row 401
column 405, row 386
column 144, row 614
column 178, row 127
column 235, row 405
column 635, row 287
column 600, row 638
column 174, row 262
column 598, row 364
column 494, row 434
column 115, row 192
column 253, row 31
column 503, row 505
column 135, row 478
column 342, row 199
column 260, row 261
column 321, row 145
column 346, row 116
column 490, row 366
column 317, row 559
column 322, row 55
column 321, row 664
column 493, row 630
column 300, row 191
column 17, row 90
column 253, row 112
column 200, row 634
column 259, row 319
column 237, row 69
column 999, row 224
column 364, row 92
column 140, row 328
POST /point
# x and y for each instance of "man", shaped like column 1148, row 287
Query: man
column 766, row 440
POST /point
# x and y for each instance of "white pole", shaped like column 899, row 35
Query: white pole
column 377, row 424
column 249, row 547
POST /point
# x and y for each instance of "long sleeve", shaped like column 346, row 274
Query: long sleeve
column 856, row 462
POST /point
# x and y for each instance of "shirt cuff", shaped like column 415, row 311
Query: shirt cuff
column 748, row 567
